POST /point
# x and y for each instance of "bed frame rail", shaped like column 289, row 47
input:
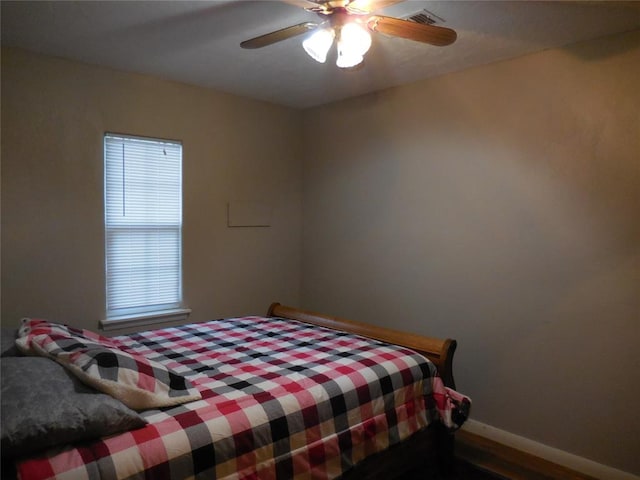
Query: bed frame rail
column 439, row 351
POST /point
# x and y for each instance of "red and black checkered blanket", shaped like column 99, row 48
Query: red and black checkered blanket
column 280, row 400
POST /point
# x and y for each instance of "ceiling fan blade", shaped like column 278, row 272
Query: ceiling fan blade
column 302, row 3
column 419, row 32
column 278, row 35
column 368, row 6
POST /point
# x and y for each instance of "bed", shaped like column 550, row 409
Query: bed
column 294, row 394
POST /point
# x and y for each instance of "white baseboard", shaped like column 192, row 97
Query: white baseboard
column 554, row 455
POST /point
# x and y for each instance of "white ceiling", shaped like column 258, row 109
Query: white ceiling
column 198, row 42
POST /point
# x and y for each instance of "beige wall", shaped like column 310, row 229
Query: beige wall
column 499, row 206
column 54, row 115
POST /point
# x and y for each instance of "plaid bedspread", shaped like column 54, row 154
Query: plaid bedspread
column 280, row 400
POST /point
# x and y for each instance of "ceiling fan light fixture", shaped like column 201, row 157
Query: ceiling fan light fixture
column 317, row 44
column 348, row 61
column 353, row 43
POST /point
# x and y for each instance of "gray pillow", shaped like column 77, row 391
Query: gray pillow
column 44, row 405
column 8, row 342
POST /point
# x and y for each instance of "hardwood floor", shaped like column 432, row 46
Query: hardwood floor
column 466, row 471
column 505, row 462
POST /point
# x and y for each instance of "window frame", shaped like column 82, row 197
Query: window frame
column 149, row 313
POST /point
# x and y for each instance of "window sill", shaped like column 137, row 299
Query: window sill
column 150, row 318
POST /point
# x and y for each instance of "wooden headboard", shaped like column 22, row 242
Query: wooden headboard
column 439, row 351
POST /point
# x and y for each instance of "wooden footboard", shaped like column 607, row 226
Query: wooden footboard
column 439, row 351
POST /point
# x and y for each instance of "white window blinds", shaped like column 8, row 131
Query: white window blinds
column 143, row 224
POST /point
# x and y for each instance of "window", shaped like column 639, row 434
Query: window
column 143, row 230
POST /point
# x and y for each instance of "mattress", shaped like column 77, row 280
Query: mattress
column 280, row 399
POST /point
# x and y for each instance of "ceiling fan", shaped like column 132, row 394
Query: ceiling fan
column 348, row 23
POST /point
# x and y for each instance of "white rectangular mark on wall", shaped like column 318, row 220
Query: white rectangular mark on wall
column 249, row 214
